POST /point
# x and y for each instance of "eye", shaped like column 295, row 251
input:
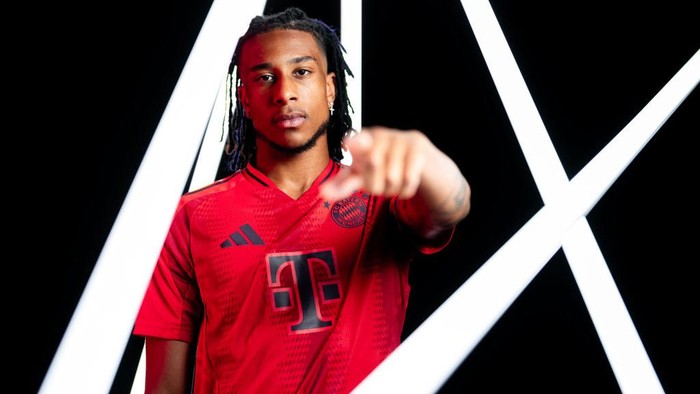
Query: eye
column 303, row 72
column 264, row 78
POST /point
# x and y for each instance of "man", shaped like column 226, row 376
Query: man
column 291, row 274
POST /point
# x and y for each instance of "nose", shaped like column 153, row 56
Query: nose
column 285, row 90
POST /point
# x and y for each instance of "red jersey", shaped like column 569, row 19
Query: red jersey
column 281, row 295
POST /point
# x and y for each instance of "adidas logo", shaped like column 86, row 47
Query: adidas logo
column 246, row 236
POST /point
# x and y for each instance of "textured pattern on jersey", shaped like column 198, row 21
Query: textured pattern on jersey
column 297, row 296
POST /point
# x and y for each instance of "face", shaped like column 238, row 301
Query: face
column 286, row 90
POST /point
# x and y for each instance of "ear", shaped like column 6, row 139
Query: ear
column 330, row 88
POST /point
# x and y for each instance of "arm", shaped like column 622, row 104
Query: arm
column 168, row 368
column 434, row 195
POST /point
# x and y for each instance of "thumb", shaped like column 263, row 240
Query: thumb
column 360, row 144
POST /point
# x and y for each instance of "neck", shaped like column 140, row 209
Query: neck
column 292, row 173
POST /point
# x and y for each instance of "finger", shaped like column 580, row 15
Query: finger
column 373, row 163
column 396, row 158
column 349, row 179
column 341, row 186
column 413, row 168
column 359, row 143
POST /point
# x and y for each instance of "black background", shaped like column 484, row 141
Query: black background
column 87, row 84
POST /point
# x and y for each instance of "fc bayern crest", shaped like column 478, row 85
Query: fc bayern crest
column 349, row 212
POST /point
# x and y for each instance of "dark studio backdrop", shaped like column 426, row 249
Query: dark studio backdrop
column 103, row 74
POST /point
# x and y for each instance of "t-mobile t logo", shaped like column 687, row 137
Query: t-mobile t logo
column 310, row 291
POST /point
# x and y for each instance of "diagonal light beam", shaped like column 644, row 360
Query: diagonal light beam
column 427, row 358
column 621, row 342
column 92, row 346
column 203, row 173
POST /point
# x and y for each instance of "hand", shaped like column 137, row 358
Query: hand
column 384, row 162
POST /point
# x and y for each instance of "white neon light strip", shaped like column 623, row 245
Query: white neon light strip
column 351, row 37
column 624, row 348
column 92, row 347
column 204, row 173
column 427, row 358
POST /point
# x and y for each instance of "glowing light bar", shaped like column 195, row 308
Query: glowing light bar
column 427, row 358
column 623, row 346
column 92, row 347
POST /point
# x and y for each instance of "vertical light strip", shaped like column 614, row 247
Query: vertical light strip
column 92, row 347
column 620, row 340
column 351, row 37
column 427, row 358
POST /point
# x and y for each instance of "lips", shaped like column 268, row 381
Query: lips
column 289, row 120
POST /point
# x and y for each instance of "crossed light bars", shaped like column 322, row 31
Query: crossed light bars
column 454, row 329
column 89, row 354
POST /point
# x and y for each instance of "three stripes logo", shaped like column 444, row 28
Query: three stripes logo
column 245, row 236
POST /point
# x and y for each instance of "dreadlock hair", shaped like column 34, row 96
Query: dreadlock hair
column 241, row 145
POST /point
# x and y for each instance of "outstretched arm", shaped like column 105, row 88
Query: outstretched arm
column 434, row 195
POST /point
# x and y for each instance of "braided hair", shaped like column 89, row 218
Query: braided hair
column 240, row 147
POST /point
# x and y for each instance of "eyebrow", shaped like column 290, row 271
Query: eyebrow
column 295, row 60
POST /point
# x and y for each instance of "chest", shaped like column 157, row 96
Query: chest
column 271, row 239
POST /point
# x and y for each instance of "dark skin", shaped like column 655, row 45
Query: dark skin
column 287, row 92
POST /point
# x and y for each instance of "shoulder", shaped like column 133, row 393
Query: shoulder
column 214, row 190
